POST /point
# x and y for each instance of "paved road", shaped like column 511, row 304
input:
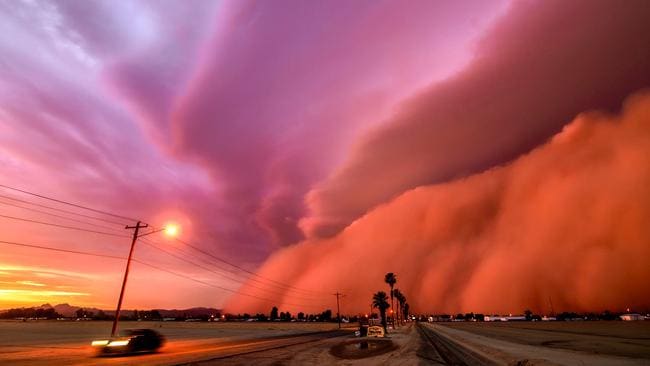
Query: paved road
column 173, row 353
column 461, row 347
column 613, row 338
column 451, row 352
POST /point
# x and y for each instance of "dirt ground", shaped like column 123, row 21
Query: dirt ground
column 68, row 342
column 52, row 332
column 410, row 351
column 513, row 343
column 616, row 338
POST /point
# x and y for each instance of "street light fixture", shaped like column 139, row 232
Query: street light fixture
column 170, row 230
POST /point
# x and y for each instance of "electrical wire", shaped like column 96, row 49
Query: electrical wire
column 62, row 210
column 68, row 203
column 277, row 283
column 220, row 287
column 59, row 216
column 126, row 236
column 152, row 245
column 34, row 246
column 61, row 226
column 60, row 250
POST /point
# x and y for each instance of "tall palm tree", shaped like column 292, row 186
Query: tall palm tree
column 399, row 296
column 391, row 280
column 380, row 301
column 401, row 299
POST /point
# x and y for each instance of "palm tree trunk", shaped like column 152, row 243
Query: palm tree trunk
column 400, row 315
column 397, row 314
column 399, row 318
column 391, row 305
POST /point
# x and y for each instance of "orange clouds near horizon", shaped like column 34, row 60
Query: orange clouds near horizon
column 566, row 223
column 33, row 286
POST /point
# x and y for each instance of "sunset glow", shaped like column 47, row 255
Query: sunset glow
column 171, row 230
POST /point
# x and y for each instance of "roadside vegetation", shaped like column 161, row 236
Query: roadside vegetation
column 398, row 315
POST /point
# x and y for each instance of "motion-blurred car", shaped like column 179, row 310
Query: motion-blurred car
column 133, row 341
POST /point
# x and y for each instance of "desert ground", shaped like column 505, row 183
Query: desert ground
column 244, row 343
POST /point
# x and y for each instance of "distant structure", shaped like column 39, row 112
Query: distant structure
column 499, row 318
column 632, row 317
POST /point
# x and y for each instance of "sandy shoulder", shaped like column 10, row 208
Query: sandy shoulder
column 509, row 353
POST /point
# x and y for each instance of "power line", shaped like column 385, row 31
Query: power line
column 60, row 250
column 59, row 216
column 219, row 287
column 152, row 245
column 108, row 256
column 221, row 269
column 118, row 235
column 68, row 203
column 62, row 210
column 34, row 246
column 275, row 283
column 62, row 226
column 278, row 284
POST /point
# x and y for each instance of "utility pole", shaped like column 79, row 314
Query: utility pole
column 137, row 228
column 338, row 308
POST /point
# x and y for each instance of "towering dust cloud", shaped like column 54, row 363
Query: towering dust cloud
column 541, row 64
column 566, row 222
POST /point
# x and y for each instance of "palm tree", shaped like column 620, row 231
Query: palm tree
column 380, row 301
column 391, row 280
column 400, row 301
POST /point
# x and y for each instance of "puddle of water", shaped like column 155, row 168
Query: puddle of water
column 362, row 348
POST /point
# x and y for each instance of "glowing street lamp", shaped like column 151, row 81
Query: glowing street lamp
column 170, row 230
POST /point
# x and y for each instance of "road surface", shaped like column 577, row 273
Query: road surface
column 187, row 343
column 205, row 344
column 527, row 343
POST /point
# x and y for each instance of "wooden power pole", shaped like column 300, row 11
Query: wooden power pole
column 338, row 307
column 137, row 228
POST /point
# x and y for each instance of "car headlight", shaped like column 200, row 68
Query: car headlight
column 118, row 343
column 99, row 343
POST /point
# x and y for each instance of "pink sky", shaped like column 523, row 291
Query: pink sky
column 260, row 125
